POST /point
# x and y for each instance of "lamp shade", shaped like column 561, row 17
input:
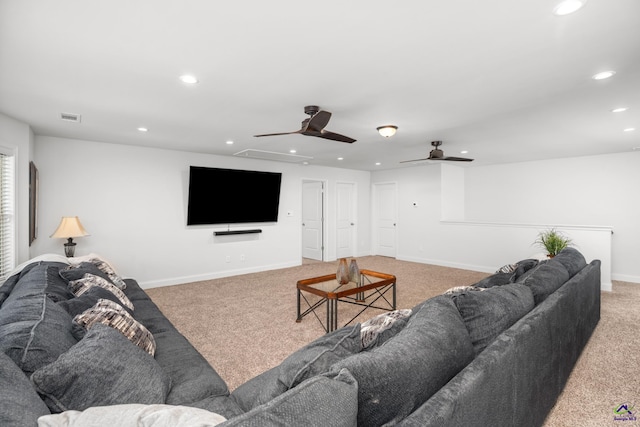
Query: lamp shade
column 70, row 226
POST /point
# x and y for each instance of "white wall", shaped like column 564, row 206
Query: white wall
column 16, row 137
column 133, row 202
column 505, row 206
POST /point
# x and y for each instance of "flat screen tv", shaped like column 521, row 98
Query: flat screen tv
column 231, row 196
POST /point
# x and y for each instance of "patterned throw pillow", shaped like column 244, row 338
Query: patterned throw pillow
column 106, row 268
column 112, row 314
column 509, row 268
column 373, row 327
column 457, row 289
column 80, row 286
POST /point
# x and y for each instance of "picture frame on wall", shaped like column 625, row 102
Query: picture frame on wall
column 33, row 202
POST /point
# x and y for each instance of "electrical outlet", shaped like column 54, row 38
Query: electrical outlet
column 242, row 258
column 227, row 259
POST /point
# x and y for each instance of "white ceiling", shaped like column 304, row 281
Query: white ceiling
column 506, row 80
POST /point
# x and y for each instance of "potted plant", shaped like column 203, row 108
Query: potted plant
column 552, row 241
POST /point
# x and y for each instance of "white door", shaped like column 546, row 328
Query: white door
column 345, row 220
column 312, row 219
column 385, row 219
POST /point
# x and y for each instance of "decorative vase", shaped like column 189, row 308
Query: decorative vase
column 342, row 275
column 354, row 272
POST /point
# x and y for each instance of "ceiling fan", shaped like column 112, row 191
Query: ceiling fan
column 314, row 126
column 438, row 154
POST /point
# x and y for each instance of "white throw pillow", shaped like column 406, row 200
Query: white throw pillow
column 133, row 415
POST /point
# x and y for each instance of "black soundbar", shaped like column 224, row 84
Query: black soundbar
column 230, row 232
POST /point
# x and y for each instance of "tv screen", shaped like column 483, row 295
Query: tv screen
column 230, row 196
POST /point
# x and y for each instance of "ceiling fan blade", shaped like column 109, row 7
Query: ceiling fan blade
column 276, row 134
column 318, row 121
column 455, row 159
column 334, row 136
column 415, row 160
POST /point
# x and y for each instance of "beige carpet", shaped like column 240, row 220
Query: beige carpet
column 244, row 325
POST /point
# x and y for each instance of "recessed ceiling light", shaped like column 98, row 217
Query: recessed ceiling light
column 305, row 163
column 603, row 75
column 293, row 151
column 568, row 6
column 378, row 163
column 229, row 142
column 141, row 129
column 619, row 110
column 629, row 129
column 464, row 151
column 189, row 79
column 340, row 158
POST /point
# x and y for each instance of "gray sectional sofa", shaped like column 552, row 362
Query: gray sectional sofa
column 497, row 353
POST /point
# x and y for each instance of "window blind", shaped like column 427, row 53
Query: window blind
column 7, row 216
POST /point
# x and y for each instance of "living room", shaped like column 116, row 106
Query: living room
column 91, row 95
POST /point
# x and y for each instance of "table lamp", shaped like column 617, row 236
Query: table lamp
column 69, row 228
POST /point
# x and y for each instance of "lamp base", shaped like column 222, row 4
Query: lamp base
column 70, row 248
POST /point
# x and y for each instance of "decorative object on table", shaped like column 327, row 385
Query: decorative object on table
column 69, row 228
column 354, row 272
column 552, row 241
column 342, row 275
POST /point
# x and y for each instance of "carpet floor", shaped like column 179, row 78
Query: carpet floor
column 244, row 325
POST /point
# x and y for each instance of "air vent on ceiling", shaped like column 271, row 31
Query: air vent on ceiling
column 271, row 155
column 70, row 117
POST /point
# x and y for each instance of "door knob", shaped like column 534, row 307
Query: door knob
column 303, row 224
column 352, row 223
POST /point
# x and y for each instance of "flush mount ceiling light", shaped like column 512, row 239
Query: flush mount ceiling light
column 387, row 130
column 629, row 129
column 189, row 79
column 567, row 7
column 603, row 75
column 142, row 129
column 619, row 110
column 229, row 142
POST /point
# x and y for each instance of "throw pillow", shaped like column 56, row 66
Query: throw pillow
column 80, row 286
column 104, row 368
column 396, row 378
column 487, row 314
column 371, row 330
column 112, row 314
column 88, row 299
column 134, row 415
column 572, row 260
column 106, row 268
column 329, row 399
column 545, row 279
column 77, row 271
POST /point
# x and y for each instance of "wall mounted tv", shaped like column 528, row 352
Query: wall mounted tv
column 231, row 196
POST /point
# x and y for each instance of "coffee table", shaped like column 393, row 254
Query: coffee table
column 372, row 287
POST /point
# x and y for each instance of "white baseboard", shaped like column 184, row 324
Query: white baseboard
column 213, row 275
column 625, row 278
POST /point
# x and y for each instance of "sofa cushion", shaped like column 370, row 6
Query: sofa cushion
column 313, row 359
column 134, row 415
column 329, row 399
column 84, row 283
column 56, row 287
column 20, row 405
column 496, row 279
column 114, row 315
column 487, row 314
column 545, row 279
column 104, row 368
column 34, row 331
column 397, row 377
column 572, row 260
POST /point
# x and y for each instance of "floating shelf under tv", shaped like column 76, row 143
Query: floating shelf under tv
column 231, row 232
